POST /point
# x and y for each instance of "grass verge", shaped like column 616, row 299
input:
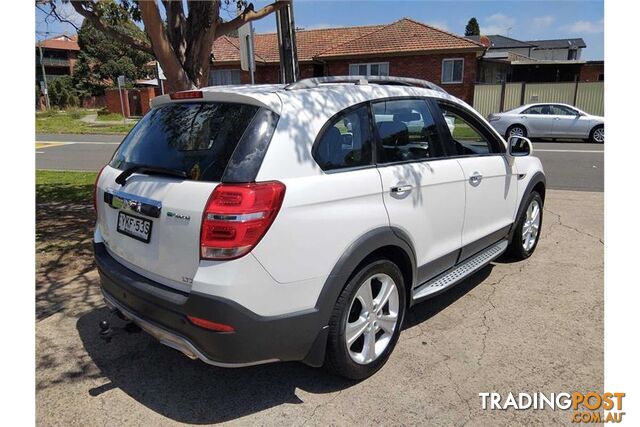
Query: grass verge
column 64, row 250
column 109, row 117
column 64, row 186
column 70, row 122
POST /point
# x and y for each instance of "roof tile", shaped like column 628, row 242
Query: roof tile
column 62, row 42
column 404, row 35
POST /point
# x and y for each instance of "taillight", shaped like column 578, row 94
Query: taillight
column 237, row 216
column 95, row 191
column 189, row 94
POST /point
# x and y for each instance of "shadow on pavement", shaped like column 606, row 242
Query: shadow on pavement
column 431, row 307
column 190, row 391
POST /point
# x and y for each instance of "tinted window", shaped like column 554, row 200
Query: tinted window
column 406, row 129
column 345, row 141
column 561, row 110
column 196, row 138
column 538, row 109
column 468, row 137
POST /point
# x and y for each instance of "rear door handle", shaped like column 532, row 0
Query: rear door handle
column 400, row 189
column 475, row 179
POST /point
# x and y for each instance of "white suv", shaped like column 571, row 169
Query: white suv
column 252, row 224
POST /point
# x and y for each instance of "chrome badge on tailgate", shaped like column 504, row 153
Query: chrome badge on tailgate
column 125, row 201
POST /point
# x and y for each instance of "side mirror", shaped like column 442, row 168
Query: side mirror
column 519, row 146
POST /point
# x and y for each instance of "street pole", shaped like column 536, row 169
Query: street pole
column 120, row 82
column 159, row 74
column 287, row 44
column 252, row 62
column 44, row 79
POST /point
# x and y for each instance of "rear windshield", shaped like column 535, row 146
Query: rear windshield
column 195, row 138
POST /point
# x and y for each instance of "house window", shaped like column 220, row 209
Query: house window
column 224, row 77
column 601, row 77
column 452, row 70
column 573, row 54
column 369, row 69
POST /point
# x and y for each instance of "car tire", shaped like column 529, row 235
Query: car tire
column 595, row 137
column 516, row 130
column 519, row 248
column 350, row 360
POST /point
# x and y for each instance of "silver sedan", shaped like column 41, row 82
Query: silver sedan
column 549, row 121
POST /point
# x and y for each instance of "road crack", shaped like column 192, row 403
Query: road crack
column 318, row 406
column 562, row 224
column 492, row 307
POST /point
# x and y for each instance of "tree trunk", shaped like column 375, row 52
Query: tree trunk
column 184, row 46
column 176, row 75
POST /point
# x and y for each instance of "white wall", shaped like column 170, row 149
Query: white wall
column 524, row 51
column 553, row 54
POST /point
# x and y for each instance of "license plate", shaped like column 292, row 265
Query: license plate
column 132, row 226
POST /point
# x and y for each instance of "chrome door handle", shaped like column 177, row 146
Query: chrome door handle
column 475, row 179
column 401, row 189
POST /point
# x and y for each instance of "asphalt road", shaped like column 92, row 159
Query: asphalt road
column 568, row 165
column 530, row 326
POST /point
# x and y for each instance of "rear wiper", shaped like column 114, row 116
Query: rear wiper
column 122, row 178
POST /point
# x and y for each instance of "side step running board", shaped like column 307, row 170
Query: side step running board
column 459, row 272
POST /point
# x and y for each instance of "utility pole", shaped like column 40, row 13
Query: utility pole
column 247, row 58
column 287, row 44
column 44, row 79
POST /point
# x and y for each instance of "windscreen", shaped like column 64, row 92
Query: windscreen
column 195, row 138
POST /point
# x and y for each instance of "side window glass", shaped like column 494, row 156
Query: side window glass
column 466, row 137
column 533, row 110
column 560, row 110
column 407, row 131
column 345, row 142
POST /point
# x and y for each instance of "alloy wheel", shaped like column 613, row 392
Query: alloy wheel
column 372, row 318
column 531, row 226
column 516, row 131
column 598, row 135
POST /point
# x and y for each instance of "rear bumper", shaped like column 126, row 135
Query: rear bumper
column 162, row 312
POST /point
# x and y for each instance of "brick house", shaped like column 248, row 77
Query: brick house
column 404, row 48
column 59, row 56
column 535, row 61
column 592, row 71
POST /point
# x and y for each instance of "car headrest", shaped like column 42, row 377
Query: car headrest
column 546, row 110
column 393, row 133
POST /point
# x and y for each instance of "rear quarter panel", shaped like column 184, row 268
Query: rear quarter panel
column 322, row 213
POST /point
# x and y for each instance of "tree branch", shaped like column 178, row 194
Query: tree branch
column 248, row 15
column 90, row 14
column 201, row 27
column 53, row 12
column 162, row 48
column 176, row 22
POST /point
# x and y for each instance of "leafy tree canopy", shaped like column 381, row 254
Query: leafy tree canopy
column 102, row 59
column 472, row 28
column 180, row 38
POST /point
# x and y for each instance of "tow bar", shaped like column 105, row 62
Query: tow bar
column 107, row 331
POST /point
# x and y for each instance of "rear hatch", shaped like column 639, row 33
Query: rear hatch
column 151, row 196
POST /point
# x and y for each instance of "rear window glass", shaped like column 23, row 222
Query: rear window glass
column 195, row 138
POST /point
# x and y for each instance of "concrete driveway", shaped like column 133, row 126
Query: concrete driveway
column 533, row 326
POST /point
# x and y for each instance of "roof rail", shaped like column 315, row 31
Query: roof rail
column 362, row 80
